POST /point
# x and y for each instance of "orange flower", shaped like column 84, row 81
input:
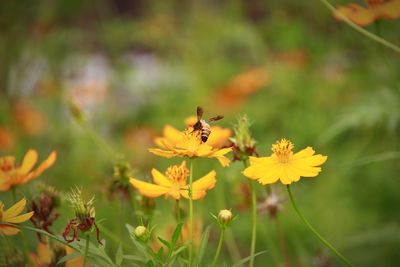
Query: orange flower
column 12, row 215
column 6, row 138
column 12, row 175
column 375, row 10
column 46, row 257
column 188, row 144
column 31, row 120
column 174, row 183
column 242, row 85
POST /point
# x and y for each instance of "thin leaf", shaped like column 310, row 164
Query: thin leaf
column 177, row 233
column 202, row 246
column 68, row 257
column 119, row 256
column 244, row 260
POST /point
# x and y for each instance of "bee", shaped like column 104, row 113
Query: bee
column 204, row 126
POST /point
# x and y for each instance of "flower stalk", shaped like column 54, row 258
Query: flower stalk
column 86, row 250
column 191, row 212
column 312, row 229
column 221, row 239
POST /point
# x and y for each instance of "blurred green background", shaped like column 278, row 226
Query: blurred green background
column 135, row 66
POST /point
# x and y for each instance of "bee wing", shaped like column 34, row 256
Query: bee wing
column 216, row 118
column 200, row 112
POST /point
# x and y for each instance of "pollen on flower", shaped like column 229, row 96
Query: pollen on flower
column 283, row 149
column 178, row 173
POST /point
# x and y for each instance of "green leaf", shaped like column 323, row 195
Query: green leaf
column 244, row 260
column 177, row 233
column 68, row 257
column 165, row 242
column 202, row 246
column 119, row 256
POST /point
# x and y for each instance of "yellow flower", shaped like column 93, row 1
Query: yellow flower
column 13, row 175
column 187, row 144
column 12, row 215
column 174, row 183
column 375, row 10
column 285, row 165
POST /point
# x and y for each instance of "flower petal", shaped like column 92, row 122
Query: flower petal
column 42, row 167
column 162, row 153
column 196, row 194
column 160, row 179
column 147, row 189
column 14, row 210
column 8, row 230
column 206, row 182
column 259, row 167
column 272, row 175
column 29, row 161
column 20, row 218
column 288, row 175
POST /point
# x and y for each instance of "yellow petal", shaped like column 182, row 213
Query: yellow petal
column 16, row 209
column 147, row 189
column 172, row 134
column 288, row 175
column 272, row 175
column 162, row 153
column 218, row 136
column 20, row 218
column 42, row 167
column 196, row 194
column 160, row 179
column 29, row 161
column 260, row 166
column 8, row 230
column 206, row 182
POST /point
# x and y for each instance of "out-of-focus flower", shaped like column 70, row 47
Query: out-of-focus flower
column 197, row 231
column 47, row 255
column 218, row 137
column 272, row 204
column 283, row 165
column 43, row 206
column 120, row 185
column 243, row 143
column 375, row 10
column 84, row 219
column 174, row 183
column 137, row 140
column 6, row 139
column 297, row 58
column 29, row 119
column 13, row 215
column 13, row 175
column 188, row 144
column 241, row 86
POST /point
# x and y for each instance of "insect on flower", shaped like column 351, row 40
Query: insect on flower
column 203, row 126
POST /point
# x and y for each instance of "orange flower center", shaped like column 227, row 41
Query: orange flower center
column 283, row 150
column 178, row 174
column 7, row 163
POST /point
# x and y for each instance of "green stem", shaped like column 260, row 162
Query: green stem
column 86, row 250
column 191, row 213
column 178, row 211
column 254, row 218
column 254, row 223
column 326, row 243
column 361, row 30
column 221, row 239
column 14, row 193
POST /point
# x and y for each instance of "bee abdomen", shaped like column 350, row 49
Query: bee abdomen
column 205, row 132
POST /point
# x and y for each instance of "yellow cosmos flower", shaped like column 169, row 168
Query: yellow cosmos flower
column 174, row 183
column 188, row 144
column 13, row 175
column 284, row 165
column 12, row 215
column 375, row 10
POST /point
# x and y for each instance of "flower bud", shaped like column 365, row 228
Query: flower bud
column 225, row 217
column 243, row 142
column 83, row 209
column 141, row 233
